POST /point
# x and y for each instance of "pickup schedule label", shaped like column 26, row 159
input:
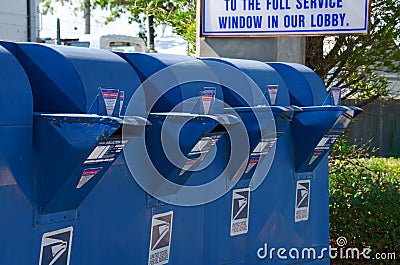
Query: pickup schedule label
column 284, row 17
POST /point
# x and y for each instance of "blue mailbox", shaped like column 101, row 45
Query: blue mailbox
column 191, row 113
column 73, row 146
column 117, row 158
column 322, row 119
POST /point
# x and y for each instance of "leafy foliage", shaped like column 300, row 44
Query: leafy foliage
column 76, row 5
column 364, row 199
column 351, row 61
column 180, row 14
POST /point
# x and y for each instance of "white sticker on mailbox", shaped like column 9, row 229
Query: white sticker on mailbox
column 302, row 207
column 160, row 238
column 240, row 211
column 200, row 150
column 106, row 151
column 110, row 96
column 56, row 247
column 87, row 175
column 207, row 98
column 272, row 91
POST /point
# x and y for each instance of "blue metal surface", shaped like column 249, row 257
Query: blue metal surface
column 173, row 79
column 16, row 95
column 305, row 86
column 76, row 138
column 16, row 181
column 15, row 126
column 62, row 177
column 179, row 76
column 261, row 74
column 313, row 138
column 247, row 105
column 66, row 79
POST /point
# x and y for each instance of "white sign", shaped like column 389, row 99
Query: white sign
column 284, row 17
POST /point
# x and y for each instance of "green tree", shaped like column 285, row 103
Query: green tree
column 352, row 62
column 180, row 14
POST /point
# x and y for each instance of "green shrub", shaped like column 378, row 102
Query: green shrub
column 365, row 200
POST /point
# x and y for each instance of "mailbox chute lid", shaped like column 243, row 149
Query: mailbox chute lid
column 16, row 95
column 305, row 86
column 171, row 79
column 66, row 79
column 147, row 64
column 263, row 76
